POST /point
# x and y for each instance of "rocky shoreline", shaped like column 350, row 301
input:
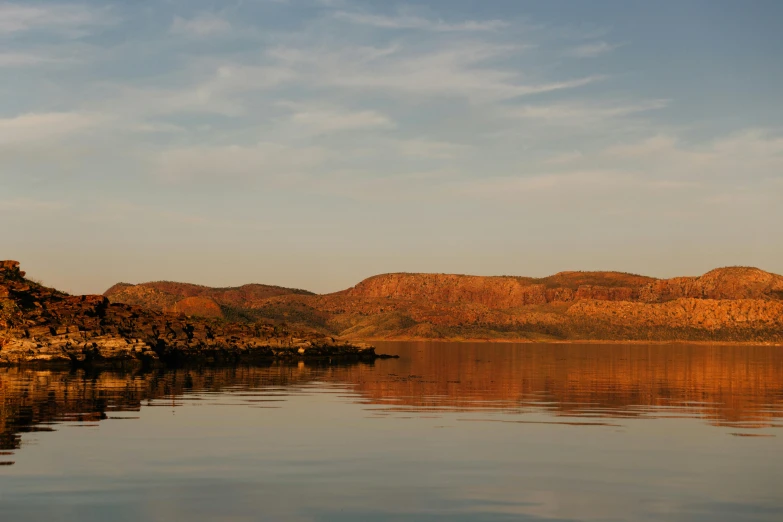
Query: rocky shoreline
column 42, row 326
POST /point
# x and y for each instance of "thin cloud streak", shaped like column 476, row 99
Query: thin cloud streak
column 591, row 50
column 264, row 161
column 326, row 120
column 37, row 127
column 22, row 204
column 415, row 22
column 579, row 114
column 455, row 71
column 68, row 18
column 22, row 59
column 203, row 25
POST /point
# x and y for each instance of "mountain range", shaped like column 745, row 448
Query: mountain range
column 733, row 304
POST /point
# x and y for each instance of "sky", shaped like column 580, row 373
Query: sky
column 313, row 143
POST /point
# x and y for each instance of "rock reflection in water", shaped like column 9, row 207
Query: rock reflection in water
column 33, row 400
column 738, row 386
column 726, row 385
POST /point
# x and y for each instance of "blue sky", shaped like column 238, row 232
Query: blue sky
column 313, row 143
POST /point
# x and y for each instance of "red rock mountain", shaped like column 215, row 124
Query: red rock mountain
column 727, row 304
column 507, row 292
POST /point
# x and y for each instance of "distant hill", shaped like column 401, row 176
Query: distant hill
column 197, row 300
column 726, row 304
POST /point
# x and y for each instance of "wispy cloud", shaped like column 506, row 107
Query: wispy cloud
column 557, row 182
column 591, row 50
column 319, row 120
column 666, row 161
column 36, row 127
column 461, row 70
column 396, row 187
column 203, row 25
column 22, row 204
column 267, row 161
column 44, row 56
column 123, row 211
column 583, row 113
column 430, row 149
column 415, row 22
column 11, row 59
column 653, row 145
column 565, row 157
column 70, row 19
column 218, row 90
column 661, row 171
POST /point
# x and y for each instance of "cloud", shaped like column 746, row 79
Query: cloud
column 125, row 212
column 49, row 55
column 591, row 50
column 741, row 161
column 30, row 205
column 35, row 127
column 264, row 160
column 328, row 120
column 555, row 183
column 582, row 114
column 430, row 149
column 70, row 19
column 565, row 157
column 661, row 171
column 156, row 127
column 654, row 145
column 22, row 59
column 222, row 91
column 415, row 22
column 401, row 185
column 455, row 70
column 205, row 24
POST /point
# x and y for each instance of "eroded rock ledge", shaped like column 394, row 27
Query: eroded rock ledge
column 40, row 325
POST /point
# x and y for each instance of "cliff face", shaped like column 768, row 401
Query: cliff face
column 509, row 292
column 727, row 304
column 41, row 325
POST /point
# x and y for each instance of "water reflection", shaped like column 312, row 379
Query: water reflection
column 447, row 432
column 585, row 385
column 738, row 386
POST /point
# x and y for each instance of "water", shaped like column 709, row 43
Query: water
column 451, row 432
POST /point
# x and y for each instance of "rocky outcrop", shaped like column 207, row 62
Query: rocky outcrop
column 42, row 325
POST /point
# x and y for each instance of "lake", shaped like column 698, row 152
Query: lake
column 448, row 432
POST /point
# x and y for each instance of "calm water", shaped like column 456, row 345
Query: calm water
column 451, row 432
